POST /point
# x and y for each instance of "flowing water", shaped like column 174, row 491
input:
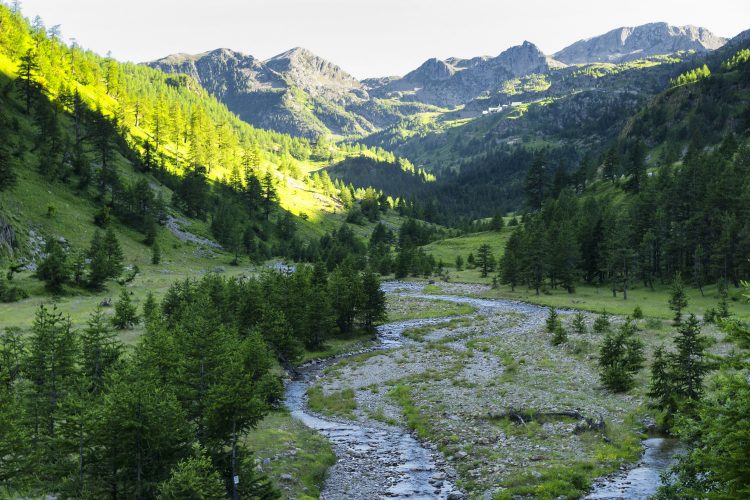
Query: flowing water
column 376, row 460
column 643, row 480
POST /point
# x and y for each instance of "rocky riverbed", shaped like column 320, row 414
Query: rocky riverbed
column 495, row 406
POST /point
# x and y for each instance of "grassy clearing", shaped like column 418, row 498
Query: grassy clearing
column 284, row 445
column 447, row 249
column 654, row 303
column 420, row 332
column 405, row 308
column 336, row 404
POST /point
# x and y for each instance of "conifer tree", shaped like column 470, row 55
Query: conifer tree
column 101, row 350
column 662, row 388
column 54, row 269
column 373, row 308
column 485, row 260
column 677, row 299
column 690, row 365
column 620, row 357
column 579, row 323
column 125, row 312
column 155, row 253
column 511, row 262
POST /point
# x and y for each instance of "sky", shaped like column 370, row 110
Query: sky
column 366, row 38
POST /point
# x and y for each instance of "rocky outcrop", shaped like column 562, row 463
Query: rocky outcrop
column 630, row 43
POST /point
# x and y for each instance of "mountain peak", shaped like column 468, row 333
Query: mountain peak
column 635, row 42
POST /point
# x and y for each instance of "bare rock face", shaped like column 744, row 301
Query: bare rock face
column 630, row 43
column 456, row 81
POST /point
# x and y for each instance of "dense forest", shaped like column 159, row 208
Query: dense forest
column 83, row 416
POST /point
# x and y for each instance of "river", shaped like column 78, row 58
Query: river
column 377, row 460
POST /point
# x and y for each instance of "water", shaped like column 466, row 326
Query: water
column 372, row 461
column 643, row 480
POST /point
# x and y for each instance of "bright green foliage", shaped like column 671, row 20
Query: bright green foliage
column 620, row 358
column 125, row 312
column 739, row 58
column 193, row 478
column 692, row 76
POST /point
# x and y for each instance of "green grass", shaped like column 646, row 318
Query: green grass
column 447, row 249
column 337, row 346
column 654, row 303
column 428, row 309
column 420, row 332
column 415, row 420
column 284, row 445
column 338, row 404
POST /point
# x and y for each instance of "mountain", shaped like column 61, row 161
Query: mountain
column 295, row 92
column 630, row 43
column 456, row 81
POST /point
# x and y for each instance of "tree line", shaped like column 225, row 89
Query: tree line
column 690, row 219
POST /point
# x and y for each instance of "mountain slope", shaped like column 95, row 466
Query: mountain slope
column 630, row 43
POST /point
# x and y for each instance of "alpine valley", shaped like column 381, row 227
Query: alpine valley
column 510, row 276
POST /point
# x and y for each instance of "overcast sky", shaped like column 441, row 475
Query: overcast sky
column 366, row 38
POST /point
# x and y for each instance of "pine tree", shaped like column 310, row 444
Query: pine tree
column 459, row 263
column 125, row 312
column 511, row 262
column 677, row 299
column 559, row 336
column 114, row 254
column 579, row 323
column 690, row 365
column 662, row 388
column 150, row 308
column 536, row 183
column 485, row 260
column 601, row 323
column 553, row 320
column 373, row 308
column 7, row 171
column 620, row 358
column 155, row 253
column 51, row 367
column 194, row 477
column 54, row 269
column 27, row 73
column 101, row 350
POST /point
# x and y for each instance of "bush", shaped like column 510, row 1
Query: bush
column 638, row 312
column 560, row 336
column 579, row 323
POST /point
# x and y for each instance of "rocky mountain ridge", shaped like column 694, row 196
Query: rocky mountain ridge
column 300, row 93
